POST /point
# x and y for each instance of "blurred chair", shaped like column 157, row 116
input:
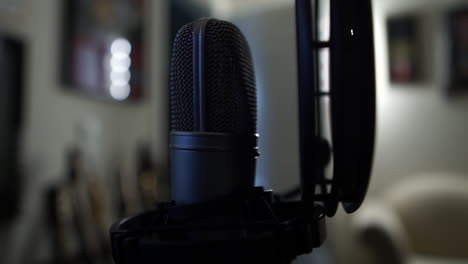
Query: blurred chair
column 419, row 220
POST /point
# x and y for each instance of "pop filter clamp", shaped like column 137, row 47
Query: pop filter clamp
column 258, row 226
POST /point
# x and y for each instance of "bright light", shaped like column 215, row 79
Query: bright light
column 120, row 92
column 120, row 47
column 120, row 78
column 324, row 57
column 120, row 63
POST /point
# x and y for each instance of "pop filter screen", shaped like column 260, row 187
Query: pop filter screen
column 352, row 99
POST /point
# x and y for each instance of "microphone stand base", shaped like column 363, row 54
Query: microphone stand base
column 254, row 227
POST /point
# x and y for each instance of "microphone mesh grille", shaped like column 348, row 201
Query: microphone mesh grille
column 182, row 81
column 231, row 102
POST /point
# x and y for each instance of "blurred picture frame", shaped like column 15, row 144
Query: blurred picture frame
column 12, row 66
column 404, row 49
column 458, row 49
column 102, row 48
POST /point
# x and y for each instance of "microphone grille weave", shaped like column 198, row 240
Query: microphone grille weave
column 231, row 103
column 181, row 94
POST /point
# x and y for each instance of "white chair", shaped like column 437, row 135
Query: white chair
column 419, row 220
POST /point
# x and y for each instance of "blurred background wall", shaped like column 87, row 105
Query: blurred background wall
column 421, row 127
column 55, row 119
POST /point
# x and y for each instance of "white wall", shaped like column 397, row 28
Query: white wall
column 52, row 114
column 274, row 56
column 421, row 129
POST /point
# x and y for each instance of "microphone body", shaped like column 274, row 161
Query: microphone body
column 213, row 113
column 207, row 166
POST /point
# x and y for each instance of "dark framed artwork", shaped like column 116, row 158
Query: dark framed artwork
column 404, row 49
column 12, row 59
column 102, row 52
column 458, row 38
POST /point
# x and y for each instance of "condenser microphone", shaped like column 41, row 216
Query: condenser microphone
column 213, row 113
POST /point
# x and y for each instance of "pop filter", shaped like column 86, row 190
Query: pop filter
column 352, row 103
column 352, row 99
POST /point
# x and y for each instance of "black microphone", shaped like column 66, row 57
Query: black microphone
column 213, row 113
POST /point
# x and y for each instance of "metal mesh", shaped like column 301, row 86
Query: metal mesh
column 231, row 103
column 181, row 81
